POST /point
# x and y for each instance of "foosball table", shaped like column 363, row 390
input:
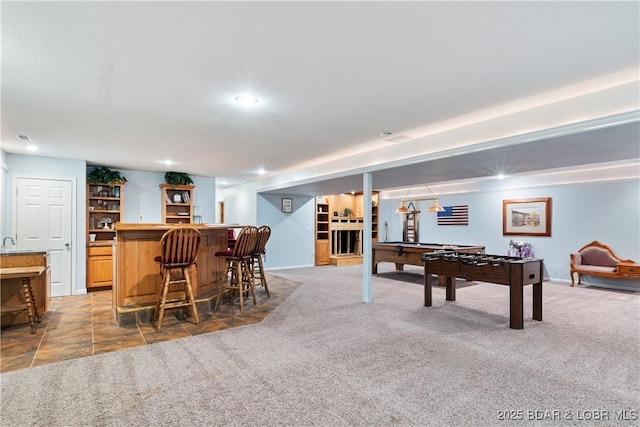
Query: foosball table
column 514, row 272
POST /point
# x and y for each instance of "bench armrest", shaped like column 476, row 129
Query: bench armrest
column 576, row 259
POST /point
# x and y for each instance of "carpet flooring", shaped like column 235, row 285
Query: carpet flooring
column 325, row 358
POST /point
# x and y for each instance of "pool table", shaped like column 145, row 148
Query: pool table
column 402, row 253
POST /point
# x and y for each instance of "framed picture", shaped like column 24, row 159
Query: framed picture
column 526, row 217
column 287, row 205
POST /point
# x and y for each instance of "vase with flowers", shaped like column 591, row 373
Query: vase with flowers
column 520, row 249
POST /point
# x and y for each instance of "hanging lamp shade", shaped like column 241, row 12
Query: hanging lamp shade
column 402, row 209
column 436, row 207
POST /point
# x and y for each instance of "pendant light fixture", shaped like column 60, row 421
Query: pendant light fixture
column 435, row 207
column 403, row 209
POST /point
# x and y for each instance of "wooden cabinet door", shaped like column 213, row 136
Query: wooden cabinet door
column 99, row 267
column 322, row 252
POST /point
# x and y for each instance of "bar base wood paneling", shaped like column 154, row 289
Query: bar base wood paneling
column 510, row 271
column 12, row 288
column 138, row 281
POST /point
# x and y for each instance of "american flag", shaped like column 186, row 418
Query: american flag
column 454, row 215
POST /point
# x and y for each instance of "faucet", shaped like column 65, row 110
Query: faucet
column 13, row 242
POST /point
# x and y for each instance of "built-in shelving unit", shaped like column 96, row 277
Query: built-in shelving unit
column 337, row 236
column 177, row 204
column 104, row 209
column 322, row 233
column 374, row 218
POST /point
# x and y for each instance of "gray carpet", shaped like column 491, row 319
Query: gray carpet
column 325, row 358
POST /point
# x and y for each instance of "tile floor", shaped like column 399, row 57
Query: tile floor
column 84, row 325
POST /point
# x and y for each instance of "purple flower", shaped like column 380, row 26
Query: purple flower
column 520, row 249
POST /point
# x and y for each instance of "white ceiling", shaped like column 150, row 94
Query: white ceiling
column 129, row 84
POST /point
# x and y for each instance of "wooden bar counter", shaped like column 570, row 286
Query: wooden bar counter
column 137, row 280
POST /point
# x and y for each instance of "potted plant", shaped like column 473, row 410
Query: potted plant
column 104, row 175
column 177, row 178
column 347, row 212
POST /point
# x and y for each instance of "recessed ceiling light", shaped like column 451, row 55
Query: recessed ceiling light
column 32, row 148
column 261, row 171
column 168, row 162
column 501, row 176
column 246, row 100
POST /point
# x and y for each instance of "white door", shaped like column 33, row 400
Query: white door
column 44, row 222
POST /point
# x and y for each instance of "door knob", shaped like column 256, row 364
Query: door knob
column 67, row 244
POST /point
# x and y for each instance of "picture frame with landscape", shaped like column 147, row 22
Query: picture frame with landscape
column 526, row 217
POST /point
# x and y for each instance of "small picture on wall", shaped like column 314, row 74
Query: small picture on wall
column 527, row 217
column 287, row 205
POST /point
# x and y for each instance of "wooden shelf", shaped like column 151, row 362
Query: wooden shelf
column 374, row 220
column 177, row 203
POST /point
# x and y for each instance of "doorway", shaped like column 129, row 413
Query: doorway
column 43, row 220
column 221, row 212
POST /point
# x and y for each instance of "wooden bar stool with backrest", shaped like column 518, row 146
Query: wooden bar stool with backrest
column 257, row 266
column 238, row 266
column 180, row 247
column 231, row 239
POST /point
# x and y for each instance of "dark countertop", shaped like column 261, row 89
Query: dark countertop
column 16, row 252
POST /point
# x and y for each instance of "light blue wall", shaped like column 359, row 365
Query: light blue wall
column 205, row 197
column 581, row 213
column 292, row 234
column 52, row 168
column 240, row 205
column 142, row 196
column 5, row 214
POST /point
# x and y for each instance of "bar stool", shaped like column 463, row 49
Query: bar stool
column 257, row 266
column 238, row 266
column 25, row 274
column 180, row 247
column 231, row 239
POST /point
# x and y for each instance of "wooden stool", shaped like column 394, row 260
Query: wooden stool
column 179, row 250
column 257, row 267
column 238, row 266
column 24, row 273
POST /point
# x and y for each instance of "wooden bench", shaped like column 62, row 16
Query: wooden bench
column 596, row 259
